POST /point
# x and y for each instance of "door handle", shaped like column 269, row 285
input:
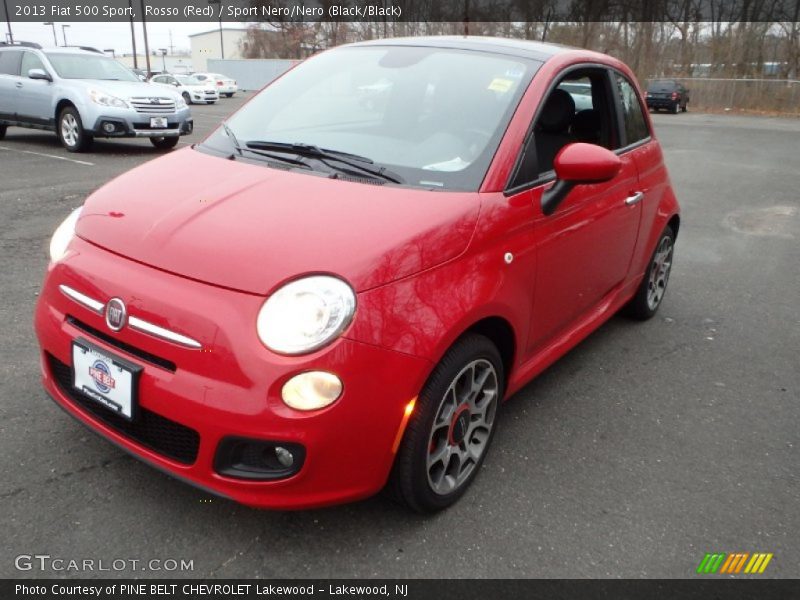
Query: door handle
column 634, row 199
column 18, row 84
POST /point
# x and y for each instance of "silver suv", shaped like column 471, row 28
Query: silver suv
column 82, row 94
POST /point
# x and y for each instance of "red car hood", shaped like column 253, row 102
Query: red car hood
column 250, row 228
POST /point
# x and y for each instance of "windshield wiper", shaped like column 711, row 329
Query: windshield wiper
column 353, row 161
column 240, row 150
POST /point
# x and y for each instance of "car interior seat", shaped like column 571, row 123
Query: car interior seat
column 553, row 128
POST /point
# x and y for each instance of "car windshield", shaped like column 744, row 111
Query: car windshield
column 434, row 116
column 84, row 66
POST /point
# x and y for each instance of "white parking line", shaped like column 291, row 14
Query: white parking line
column 80, row 162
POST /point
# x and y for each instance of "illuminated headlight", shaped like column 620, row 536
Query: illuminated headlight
column 63, row 236
column 105, row 99
column 312, row 390
column 306, row 314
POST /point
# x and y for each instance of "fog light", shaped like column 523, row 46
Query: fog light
column 312, row 390
column 109, row 127
column 284, row 457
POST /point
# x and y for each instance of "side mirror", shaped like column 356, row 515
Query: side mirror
column 39, row 74
column 577, row 164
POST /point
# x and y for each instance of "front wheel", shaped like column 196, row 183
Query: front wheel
column 164, row 143
column 452, row 425
column 71, row 132
column 187, row 98
column 651, row 291
column 230, row 95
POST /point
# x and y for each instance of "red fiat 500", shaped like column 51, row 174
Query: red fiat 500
column 335, row 291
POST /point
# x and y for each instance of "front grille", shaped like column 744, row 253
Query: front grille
column 148, row 107
column 132, row 350
column 150, row 429
column 146, row 126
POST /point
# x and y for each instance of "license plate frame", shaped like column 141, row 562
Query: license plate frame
column 112, row 384
column 158, row 123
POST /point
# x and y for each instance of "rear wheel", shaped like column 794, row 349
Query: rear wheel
column 685, row 107
column 164, row 143
column 71, row 132
column 230, row 95
column 675, row 108
column 451, row 428
column 651, row 291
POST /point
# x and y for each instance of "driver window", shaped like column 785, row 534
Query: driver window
column 30, row 61
column 578, row 109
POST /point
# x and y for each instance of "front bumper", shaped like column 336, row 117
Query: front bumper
column 230, row 387
column 129, row 123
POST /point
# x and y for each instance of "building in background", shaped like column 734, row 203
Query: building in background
column 206, row 46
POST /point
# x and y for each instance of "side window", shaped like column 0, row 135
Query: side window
column 578, row 109
column 9, row 62
column 634, row 121
column 30, row 61
column 158, row 79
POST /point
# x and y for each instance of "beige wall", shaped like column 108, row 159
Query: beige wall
column 207, row 45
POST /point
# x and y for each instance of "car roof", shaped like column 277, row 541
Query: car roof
column 523, row 48
column 77, row 51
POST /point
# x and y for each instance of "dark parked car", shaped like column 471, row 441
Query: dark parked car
column 667, row 93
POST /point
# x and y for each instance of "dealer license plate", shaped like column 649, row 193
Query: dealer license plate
column 107, row 379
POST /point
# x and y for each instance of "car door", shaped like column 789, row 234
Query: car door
column 640, row 146
column 35, row 95
column 9, row 83
column 584, row 248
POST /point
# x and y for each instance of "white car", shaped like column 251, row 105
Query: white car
column 193, row 91
column 224, row 85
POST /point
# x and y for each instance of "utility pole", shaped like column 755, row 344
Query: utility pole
column 133, row 37
column 171, row 47
column 9, row 35
column 64, row 33
column 146, row 45
column 221, row 39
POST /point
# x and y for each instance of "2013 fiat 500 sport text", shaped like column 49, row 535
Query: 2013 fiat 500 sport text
column 336, row 290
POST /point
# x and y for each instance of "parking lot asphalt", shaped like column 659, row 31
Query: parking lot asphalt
column 644, row 448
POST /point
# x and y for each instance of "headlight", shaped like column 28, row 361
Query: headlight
column 306, row 314
column 63, row 235
column 105, row 99
column 180, row 102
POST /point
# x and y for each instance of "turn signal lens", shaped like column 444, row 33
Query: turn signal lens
column 312, row 390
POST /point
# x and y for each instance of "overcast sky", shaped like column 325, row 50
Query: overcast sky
column 114, row 35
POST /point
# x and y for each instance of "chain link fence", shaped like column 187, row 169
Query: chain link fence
column 778, row 96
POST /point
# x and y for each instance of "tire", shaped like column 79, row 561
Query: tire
column 229, row 95
column 447, row 421
column 3, row 129
column 165, row 143
column 685, row 107
column 187, row 98
column 675, row 108
column 70, row 131
column 651, row 291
